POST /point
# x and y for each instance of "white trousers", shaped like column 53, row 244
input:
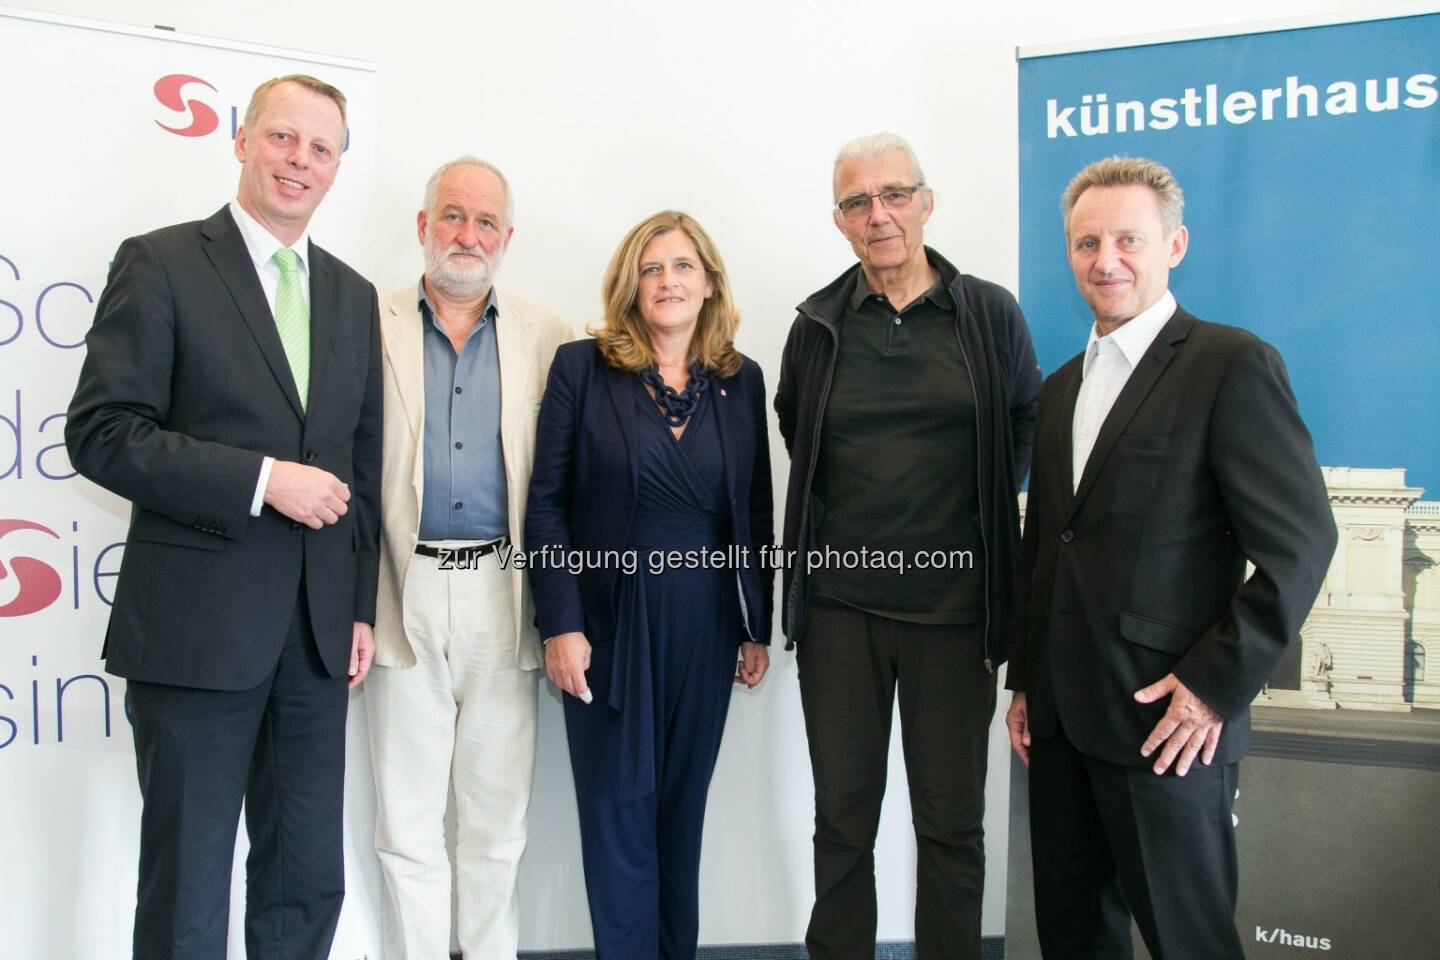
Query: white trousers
column 462, row 717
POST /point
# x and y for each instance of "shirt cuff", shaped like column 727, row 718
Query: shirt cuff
column 258, row 501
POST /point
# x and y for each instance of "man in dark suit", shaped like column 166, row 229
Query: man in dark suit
column 231, row 392
column 1167, row 455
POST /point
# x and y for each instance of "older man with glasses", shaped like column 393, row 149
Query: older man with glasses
column 907, row 401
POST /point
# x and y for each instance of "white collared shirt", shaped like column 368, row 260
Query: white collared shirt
column 1109, row 361
column 261, row 244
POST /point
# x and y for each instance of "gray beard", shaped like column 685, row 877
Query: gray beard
column 461, row 286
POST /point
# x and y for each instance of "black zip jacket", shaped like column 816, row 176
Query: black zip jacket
column 1006, row 380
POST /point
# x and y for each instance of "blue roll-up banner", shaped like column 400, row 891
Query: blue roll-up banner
column 1310, row 161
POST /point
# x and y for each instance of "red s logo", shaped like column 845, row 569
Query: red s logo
column 39, row 582
column 202, row 119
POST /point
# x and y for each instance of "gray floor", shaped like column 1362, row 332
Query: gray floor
column 991, row 948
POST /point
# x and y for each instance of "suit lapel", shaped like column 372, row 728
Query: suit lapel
column 227, row 252
column 1065, row 434
column 402, row 329
column 721, row 395
column 514, row 346
column 1132, row 395
column 620, row 389
column 322, row 314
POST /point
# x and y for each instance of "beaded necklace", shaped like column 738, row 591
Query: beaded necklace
column 677, row 408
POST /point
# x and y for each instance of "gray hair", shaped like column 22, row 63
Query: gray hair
column 432, row 186
column 871, row 146
column 1126, row 172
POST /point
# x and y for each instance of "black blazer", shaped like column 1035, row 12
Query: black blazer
column 1202, row 464
column 185, row 388
column 582, row 487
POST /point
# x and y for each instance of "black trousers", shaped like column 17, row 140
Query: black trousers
column 279, row 747
column 1109, row 842
column 851, row 666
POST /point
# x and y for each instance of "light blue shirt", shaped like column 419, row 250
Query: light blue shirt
column 465, row 489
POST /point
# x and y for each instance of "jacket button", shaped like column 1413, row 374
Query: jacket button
column 1067, row 536
column 309, row 455
column 294, row 528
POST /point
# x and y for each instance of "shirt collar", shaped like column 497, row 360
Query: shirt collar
column 491, row 311
column 937, row 293
column 262, row 244
column 1134, row 336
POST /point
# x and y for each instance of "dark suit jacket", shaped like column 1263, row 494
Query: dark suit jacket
column 582, row 488
column 185, row 388
column 1202, row 464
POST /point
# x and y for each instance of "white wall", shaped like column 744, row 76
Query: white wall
column 603, row 113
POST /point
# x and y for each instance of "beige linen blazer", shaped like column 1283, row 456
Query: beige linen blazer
column 526, row 338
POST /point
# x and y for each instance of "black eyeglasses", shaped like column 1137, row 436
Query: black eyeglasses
column 891, row 198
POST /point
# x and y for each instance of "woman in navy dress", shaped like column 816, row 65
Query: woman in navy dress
column 649, row 505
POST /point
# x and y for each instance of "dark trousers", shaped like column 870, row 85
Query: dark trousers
column 1109, row 842
column 851, row 665
column 642, row 854
column 279, row 747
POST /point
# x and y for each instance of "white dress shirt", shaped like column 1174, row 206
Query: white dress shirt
column 261, row 244
column 1109, row 361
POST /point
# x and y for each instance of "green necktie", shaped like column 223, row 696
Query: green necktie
column 292, row 320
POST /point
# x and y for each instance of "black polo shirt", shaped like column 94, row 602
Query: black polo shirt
column 897, row 467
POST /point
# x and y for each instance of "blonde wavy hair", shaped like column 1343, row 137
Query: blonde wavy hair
column 622, row 338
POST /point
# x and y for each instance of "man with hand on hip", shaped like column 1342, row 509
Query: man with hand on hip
column 1167, row 455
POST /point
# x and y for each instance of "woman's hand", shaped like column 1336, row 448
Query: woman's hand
column 754, row 661
column 567, row 657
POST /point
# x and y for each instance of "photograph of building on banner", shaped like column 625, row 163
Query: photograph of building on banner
column 1307, row 159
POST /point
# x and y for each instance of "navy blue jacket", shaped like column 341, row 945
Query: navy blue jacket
column 582, row 488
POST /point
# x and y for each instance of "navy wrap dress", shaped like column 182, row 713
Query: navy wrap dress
column 644, row 753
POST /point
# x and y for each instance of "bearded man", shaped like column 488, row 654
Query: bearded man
column 452, row 696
